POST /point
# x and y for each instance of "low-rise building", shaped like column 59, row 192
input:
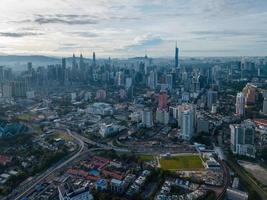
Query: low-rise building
column 234, row 194
column 66, row 192
column 100, row 109
column 108, row 129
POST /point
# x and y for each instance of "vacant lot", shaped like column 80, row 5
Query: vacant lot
column 185, row 162
column 256, row 170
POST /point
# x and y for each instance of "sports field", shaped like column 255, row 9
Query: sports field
column 184, row 162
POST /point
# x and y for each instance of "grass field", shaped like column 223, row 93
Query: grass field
column 63, row 135
column 187, row 162
column 146, row 158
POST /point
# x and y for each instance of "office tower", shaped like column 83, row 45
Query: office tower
column 259, row 71
column 74, row 63
column 82, row 70
column 240, row 104
column 264, row 106
column 81, row 64
column 187, row 124
column 1, row 73
column 202, row 125
column 242, row 139
column 74, row 68
column 94, row 59
column 147, row 64
column 18, row 88
column 169, row 81
column 196, row 82
column 29, row 66
column 163, row 100
column 162, row 116
column 216, row 73
column 128, row 82
column 63, row 71
column 173, row 112
column 6, row 90
column 120, row 78
column 147, row 118
column 249, row 92
column 14, row 89
column 211, row 98
column 176, row 56
column 151, row 81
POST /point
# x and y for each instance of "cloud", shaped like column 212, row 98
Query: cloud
column 146, row 41
column 19, row 34
column 85, row 34
column 69, row 19
column 127, row 27
column 215, row 35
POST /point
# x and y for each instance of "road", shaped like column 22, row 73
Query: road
column 49, row 172
column 226, row 172
column 81, row 141
column 246, row 177
column 226, row 180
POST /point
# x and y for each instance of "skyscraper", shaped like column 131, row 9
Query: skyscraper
column 63, row 71
column 151, row 82
column 74, row 63
column 169, row 81
column 211, row 98
column 176, row 56
column 147, row 118
column 163, row 100
column 264, row 106
column 240, row 104
column 187, row 124
column 94, row 61
column 242, row 139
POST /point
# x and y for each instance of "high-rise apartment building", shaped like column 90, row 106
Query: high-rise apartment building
column 147, row 118
column 242, row 139
column 163, row 100
column 211, row 98
column 240, row 104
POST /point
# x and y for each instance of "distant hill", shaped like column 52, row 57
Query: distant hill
column 37, row 58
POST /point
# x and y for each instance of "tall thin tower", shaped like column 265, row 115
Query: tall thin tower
column 94, row 62
column 176, row 56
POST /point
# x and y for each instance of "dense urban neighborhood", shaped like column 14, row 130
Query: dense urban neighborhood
column 140, row 128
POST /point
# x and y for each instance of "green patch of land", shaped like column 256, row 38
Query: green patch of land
column 185, row 162
column 146, row 158
column 63, row 135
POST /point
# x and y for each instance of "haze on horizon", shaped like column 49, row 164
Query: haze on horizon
column 125, row 28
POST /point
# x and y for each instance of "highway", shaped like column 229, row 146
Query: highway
column 82, row 141
column 226, row 172
column 226, row 180
column 42, row 177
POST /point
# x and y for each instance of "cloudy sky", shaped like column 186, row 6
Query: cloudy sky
column 123, row 28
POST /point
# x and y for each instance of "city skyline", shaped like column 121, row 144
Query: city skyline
column 130, row 28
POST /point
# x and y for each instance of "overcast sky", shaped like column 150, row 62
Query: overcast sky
column 124, row 28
